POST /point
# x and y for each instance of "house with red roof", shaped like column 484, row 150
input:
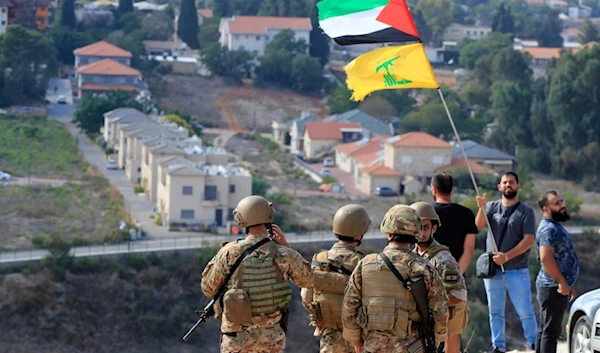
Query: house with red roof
column 99, row 51
column 254, row 33
column 106, row 75
column 321, row 137
column 417, row 154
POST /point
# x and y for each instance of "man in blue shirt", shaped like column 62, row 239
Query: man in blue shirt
column 558, row 273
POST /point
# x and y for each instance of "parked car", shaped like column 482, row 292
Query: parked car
column 61, row 100
column 111, row 165
column 385, row 191
column 5, row 176
column 583, row 327
column 328, row 162
column 324, row 171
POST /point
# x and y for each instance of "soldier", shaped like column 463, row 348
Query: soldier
column 380, row 313
column 253, row 310
column 447, row 267
column 332, row 269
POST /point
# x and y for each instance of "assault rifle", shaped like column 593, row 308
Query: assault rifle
column 204, row 314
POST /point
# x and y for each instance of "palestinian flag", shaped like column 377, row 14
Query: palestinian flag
column 367, row 21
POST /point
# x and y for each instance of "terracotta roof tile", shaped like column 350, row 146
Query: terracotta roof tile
column 417, row 139
column 99, row 87
column 459, row 162
column 259, row 24
column 542, row 53
column 380, row 170
column 206, row 13
column 107, row 67
column 102, row 48
column 572, row 31
column 318, row 130
column 364, row 152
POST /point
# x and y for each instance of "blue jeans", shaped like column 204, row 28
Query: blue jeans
column 518, row 284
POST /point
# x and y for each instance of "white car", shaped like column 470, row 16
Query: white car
column 324, row 172
column 5, row 176
column 61, row 100
column 328, row 162
column 111, row 165
column 583, row 327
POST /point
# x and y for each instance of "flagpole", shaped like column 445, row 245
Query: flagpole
column 462, row 150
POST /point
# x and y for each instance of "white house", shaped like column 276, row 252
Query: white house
column 254, row 33
column 458, row 33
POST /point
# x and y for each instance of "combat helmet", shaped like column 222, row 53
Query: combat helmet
column 351, row 222
column 426, row 211
column 253, row 210
column 402, row 220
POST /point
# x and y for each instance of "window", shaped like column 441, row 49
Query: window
column 257, row 37
column 231, row 188
column 481, row 32
column 3, row 23
column 187, row 214
column 439, row 160
column 406, row 159
column 230, row 214
column 210, row 192
column 468, row 33
column 188, row 190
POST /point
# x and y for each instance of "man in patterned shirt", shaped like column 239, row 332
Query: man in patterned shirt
column 559, row 271
column 447, row 267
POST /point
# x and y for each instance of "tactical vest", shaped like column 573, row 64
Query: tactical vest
column 329, row 283
column 386, row 305
column 433, row 250
column 261, row 278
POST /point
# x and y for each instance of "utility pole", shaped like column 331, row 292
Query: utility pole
column 29, row 173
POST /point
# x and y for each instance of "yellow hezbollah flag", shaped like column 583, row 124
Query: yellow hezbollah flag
column 399, row 67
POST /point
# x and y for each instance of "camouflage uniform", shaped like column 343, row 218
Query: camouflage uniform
column 332, row 340
column 377, row 309
column 265, row 333
column 410, row 266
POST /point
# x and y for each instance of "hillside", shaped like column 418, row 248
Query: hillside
column 146, row 303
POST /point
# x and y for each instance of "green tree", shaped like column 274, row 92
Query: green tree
column 260, row 186
column 431, row 118
column 187, row 27
column 307, row 74
column 209, row 31
column 436, row 15
column 222, row 8
column 125, row 6
column 319, row 41
column 503, row 21
column 157, row 26
column 234, row 64
column 177, row 120
column 339, row 100
column 425, row 31
column 473, row 50
column 67, row 14
column 27, row 61
column 66, row 40
column 285, row 40
column 89, row 117
column 275, row 67
column 129, row 22
column 549, row 35
column 588, row 32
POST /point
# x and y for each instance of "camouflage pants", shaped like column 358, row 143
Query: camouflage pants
column 332, row 341
column 269, row 339
column 377, row 343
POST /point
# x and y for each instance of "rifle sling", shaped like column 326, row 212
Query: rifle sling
column 406, row 283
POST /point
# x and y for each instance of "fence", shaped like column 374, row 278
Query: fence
column 162, row 244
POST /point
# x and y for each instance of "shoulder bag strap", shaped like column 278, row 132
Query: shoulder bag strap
column 394, row 270
column 239, row 260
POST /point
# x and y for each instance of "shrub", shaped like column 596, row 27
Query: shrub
column 328, row 179
column 138, row 189
column 158, row 221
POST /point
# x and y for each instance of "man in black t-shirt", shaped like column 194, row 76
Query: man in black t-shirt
column 458, row 230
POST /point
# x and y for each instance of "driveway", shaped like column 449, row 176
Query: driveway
column 342, row 177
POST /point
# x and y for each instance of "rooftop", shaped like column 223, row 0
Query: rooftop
column 102, row 48
column 260, row 24
column 380, row 170
column 417, row 139
column 100, row 87
column 461, row 163
column 206, row 13
column 107, row 67
column 479, row 151
column 318, row 130
column 364, row 151
column 206, row 170
column 542, row 53
column 365, row 120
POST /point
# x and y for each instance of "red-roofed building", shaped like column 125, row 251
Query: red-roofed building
column 417, row 154
column 99, row 51
column 105, row 75
column 203, row 14
column 355, row 155
column 540, row 58
column 321, row 137
column 254, row 33
column 460, row 163
column 370, row 178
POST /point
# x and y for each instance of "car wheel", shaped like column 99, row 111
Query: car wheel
column 581, row 339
